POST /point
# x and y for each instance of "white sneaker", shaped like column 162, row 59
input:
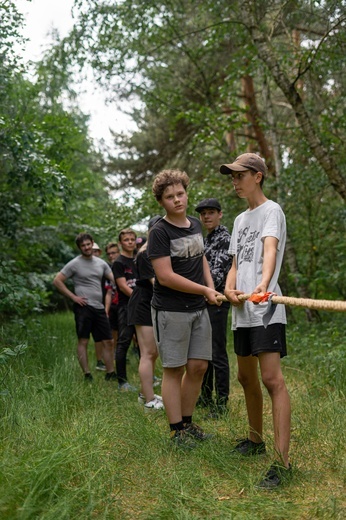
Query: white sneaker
column 156, row 381
column 141, row 398
column 155, row 404
column 126, row 387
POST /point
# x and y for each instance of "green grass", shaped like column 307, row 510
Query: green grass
column 73, row 450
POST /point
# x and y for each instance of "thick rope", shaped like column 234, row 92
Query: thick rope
column 322, row 305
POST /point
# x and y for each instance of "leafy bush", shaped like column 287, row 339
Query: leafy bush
column 20, row 294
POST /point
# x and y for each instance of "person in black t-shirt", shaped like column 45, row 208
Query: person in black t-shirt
column 183, row 284
column 124, row 271
column 139, row 315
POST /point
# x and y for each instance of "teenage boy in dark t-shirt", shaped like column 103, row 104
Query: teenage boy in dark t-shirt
column 182, row 286
column 124, row 270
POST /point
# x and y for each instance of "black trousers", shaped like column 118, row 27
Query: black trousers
column 125, row 335
column 218, row 368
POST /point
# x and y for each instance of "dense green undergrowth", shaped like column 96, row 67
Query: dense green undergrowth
column 71, row 450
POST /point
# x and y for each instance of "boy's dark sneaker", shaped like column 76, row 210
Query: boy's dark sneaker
column 196, row 432
column 247, row 448
column 100, row 366
column 111, row 376
column 88, row 377
column 275, row 476
column 182, row 439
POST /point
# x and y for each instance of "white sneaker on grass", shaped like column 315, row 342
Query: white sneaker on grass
column 126, row 387
column 155, row 404
column 141, row 398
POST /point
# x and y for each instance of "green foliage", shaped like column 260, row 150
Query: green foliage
column 7, row 354
column 46, row 165
column 28, row 172
column 322, row 348
column 52, row 181
column 20, row 294
column 318, row 230
column 11, row 22
column 8, row 357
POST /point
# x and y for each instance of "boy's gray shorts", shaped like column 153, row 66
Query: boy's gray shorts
column 181, row 336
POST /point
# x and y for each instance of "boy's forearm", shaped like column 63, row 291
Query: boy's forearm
column 123, row 287
column 267, row 274
column 231, row 291
column 269, row 261
column 108, row 301
column 180, row 283
column 231, row 280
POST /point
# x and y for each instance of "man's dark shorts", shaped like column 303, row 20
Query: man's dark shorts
column 113, row 317
column 254, row 340
column 92, row 321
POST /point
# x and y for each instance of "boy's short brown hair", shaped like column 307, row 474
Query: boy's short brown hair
column 111, row 244
column 168, row 178
column 127, row 231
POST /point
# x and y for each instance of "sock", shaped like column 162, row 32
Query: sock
column 187, row 419
column 176, row 426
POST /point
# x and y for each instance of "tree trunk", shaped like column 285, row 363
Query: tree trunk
column 253, row 117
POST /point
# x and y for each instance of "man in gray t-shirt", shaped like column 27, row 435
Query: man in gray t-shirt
column 87, row 272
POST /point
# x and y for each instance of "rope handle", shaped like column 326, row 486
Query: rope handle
column 323, row 305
